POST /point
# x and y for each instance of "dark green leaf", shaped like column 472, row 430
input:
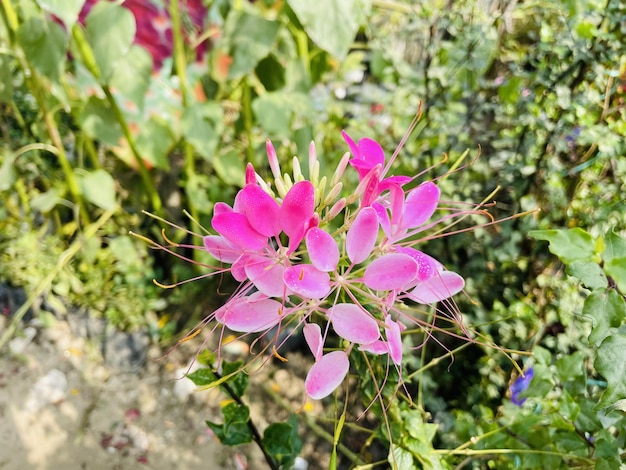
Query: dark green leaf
column 589, row 273
column 615, row 247
column 239, row 381
column 44, row 43
column 611, row 364
column 571, row 366
column 569, row 245
column 331, row 24
column 282, row 442
column 235, row 429
column 66, row 10
column 99, row 122
column 110, row 31
column 608, row 310
column 616, row 268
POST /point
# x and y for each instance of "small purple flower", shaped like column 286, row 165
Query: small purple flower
column 519, row 386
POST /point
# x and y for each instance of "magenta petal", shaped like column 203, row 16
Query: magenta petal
column 262, row 211
column 326, row 374
column 322, row 248
column 221, row 249
column 353, row 323
column 383, row 218
column 427, row 266
column 252, row 316
column 420, row 204
column 362, row 234
column 266, row 275
column 238, row 268
column 371, row 152
column 220, row 208
column 394, row 339
column 313, row 336
column 307, row 281
column 236, row 229
column 297, row 208
column 390, row 272
column 441, row 286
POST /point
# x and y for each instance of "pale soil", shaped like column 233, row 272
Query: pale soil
column 104, row 418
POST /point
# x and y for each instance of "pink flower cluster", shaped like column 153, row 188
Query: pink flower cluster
column 331, row 263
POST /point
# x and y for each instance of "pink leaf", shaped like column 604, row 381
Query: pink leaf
column 441, row 286
column 353, row 323
column 389, row 272
column 427, row 266
column 297, row 208
column 266, row 275
column 394, row 339
column 262, row 211
column 313, row 336
column 323, row 250
column 236, row 229
column 221, row 249
column 326, row 374
column 307, row 281
column 420, row 204
column 362, row 234
column 252, row 316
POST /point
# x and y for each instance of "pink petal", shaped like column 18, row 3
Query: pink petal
column 362, row 234
column 394, row 340
column 441, row 286
column 307, row 281
column 420, row 204
column 313, row 336
column 427, row 266
column 262, row 211
column 221, row 249
column 297, row 208
column 353, row 323
column 391, row 271
column 252, row 316
column 220, row 208
column 326, row 374
column 236, row 229
column 378, row 347
column 238, row 269
column 397, row 204
column 322, row 248
column 266, row 275
column 371, row 152
column 250, row 174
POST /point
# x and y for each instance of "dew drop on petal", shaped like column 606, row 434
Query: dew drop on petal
column 326, row 374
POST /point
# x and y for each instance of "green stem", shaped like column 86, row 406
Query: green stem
column 46, row 284
column 512, row 451
column 247, row 117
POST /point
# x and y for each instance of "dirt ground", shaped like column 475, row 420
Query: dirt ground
column 63, row 407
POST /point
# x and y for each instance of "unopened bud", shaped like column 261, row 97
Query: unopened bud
column 341, row 168
column 297, row 171
column 333, row 193
column 272, row 158
column 336, row 209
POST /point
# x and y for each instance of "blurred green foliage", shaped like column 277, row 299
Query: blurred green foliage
column 537, row 89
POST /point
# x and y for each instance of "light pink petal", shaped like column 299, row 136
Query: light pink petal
column 238, row 269
column 420, row 204
column 397, row 204
column 326, row 374
column 252, row 316
column 353, row 323
column 237, row 230
column 266, row 275
column 313, row 336
column 322, row 248
column 371, row 190
column 394, row 339
column 362, row 234
column 383, row 218
column 389, row 272
column 427, row 266
column 250, row 174
column 378, row 347
column 262, row 211
column 307, row 281
column 441, row 286
column 221, row 249
column 297, row 208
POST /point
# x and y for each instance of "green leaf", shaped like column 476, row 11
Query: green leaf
column 98, row 121
column 235, row 429
column 7, row 171
column 66, row 10
column 589, row 273
column 45, row 202
column 331, row 24
column 44, row 43
column 616, row 268
column 239, row 381
column 202, row 376
column 250, row 39
column 571, row 366
column 276, row 111
column 98, row 187
column 282, row 442
column 400, row 458
column 197, row 126
column 132, row 75
column 569, row 245
column 230, row 168
column 611, row 364
column 615, row 247
column 608, row 310
column 197, row 190
column 6, row 79
column 110, row 30
column 154, row 142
